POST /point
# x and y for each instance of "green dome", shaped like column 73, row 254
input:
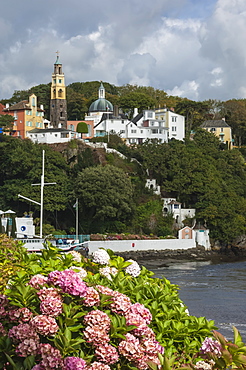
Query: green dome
column 101, row 105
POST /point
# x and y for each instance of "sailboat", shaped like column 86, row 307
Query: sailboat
column 25, row 230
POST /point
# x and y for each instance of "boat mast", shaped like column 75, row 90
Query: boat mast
column 77, row 218
column 42, row 183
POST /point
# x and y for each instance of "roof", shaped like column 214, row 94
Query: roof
column 101, row 105
column 174, row 202
column 45, row 130
column 137, row 118
column 214, row 123
column 57, row 60
column 22, row 105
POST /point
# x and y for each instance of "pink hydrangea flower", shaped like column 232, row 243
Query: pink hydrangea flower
column 49, row 293
column 21, row 315
column 4, row 302
column 44, row 325
column 140, row 309
column 98, row 318
column 54, row 277
column 22, row 331
column 92, row 297
column 51, row 357
column 144, row 331
column 2, row 330
column 134, row 319
column 51, row 306
column 28, row 347
column 105, row 290
column 107, row 354
column 98, row 366
column 69, row 281
column 74, row 363
column 96, row 335
column 121, row 303
column 212, row 346
column 131, row 348
column 38, row 281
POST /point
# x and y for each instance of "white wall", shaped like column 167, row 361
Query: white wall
column 141, row 245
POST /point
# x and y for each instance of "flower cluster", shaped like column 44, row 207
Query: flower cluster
column 101, row 256
column 35, row 332
column 69, row 281
column 108, row 272
column 76, row 256
column 133, row 269
column 211, row 346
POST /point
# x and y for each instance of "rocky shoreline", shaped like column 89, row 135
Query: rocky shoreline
column 164, row 258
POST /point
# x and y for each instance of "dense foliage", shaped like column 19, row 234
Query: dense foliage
column 63, row 311
column 111, row 190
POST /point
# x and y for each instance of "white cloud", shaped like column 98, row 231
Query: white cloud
column 159, row 43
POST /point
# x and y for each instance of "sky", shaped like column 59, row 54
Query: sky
column 188, row 48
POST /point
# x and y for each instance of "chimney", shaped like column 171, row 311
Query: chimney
column 116, row 110
column 135, row 113
column 7, row 105
column 42, row 107
column 223, row 119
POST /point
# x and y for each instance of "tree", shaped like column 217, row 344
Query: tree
column 6, row 122
column 105, row 196
column 82, row 128
column 76, row 105
column 236, row 118
column 136, row 100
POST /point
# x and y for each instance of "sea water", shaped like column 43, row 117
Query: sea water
column 216, row 291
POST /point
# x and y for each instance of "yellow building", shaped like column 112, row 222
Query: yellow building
column 220, row 129
column 27, row 116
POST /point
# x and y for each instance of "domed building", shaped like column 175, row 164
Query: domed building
column 101, row 104
column 99, row 107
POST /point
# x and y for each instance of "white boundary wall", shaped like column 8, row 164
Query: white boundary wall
column 141, row 245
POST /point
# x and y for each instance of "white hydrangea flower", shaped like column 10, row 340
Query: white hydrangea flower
column 202, row 365
column 108, row 271
column 101, row 256
column 133, row 269
column 76, row 256
column 80, row 271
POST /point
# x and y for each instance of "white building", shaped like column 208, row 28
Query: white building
column 152, row 185
column 173, row 121
column 171, row 206
column 52, row 135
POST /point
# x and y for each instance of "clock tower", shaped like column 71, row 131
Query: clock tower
column 58, row 102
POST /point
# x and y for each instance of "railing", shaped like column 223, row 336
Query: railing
column 81, row 238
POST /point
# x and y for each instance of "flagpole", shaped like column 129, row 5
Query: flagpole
column 77, row 218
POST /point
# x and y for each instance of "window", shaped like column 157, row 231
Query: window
column 54, row 80
column 122, row 121
column 176, row 206
column 60, row 93
column 149, row 114
column 174, row 128
column 174, row 119
column 221, row 129
column 133, row 131
column 155, row 131
column 60, row 81
column 33, row 102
